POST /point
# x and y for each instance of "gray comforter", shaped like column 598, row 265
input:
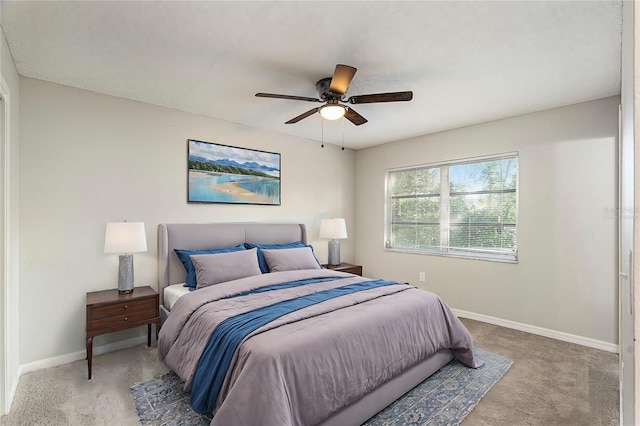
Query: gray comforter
column 306, row 365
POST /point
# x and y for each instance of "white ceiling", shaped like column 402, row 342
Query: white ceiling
column 466, row 62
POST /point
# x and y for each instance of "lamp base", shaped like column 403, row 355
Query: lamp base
column 334, row 252
column 125, row 274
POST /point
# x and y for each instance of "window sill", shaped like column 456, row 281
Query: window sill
column 453, row 255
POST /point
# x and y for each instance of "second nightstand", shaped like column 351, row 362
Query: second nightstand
column 346, row 267
column 109, row 311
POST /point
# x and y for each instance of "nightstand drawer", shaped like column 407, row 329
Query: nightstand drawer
column 122, row 308
column 121, row 319
column 356, row 270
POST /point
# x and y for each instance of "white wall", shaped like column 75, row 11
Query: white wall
column 9, row 362
column 565, row 279
column 87, row 159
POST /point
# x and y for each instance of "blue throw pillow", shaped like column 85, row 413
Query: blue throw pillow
column 262, row 261
column 183, row 255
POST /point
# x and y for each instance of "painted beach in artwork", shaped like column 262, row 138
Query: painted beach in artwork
column 226, row 174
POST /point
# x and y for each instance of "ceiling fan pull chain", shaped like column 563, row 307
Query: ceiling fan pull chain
column 322, row 131
column 343, row 132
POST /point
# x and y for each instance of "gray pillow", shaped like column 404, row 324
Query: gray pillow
column 220, row 267
column 291, row 259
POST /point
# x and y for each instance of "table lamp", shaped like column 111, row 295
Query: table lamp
column 125, row 238
column 333, row 229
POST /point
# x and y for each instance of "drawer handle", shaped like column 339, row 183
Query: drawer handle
column 126, row 307
column 126, row 318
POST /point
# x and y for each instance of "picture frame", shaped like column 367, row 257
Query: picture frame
column 218, row 173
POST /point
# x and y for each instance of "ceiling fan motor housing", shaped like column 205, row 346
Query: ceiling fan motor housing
column 322, row 86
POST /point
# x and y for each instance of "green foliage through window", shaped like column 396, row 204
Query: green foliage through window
column 463, row 209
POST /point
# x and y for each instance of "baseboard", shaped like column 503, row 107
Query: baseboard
column 540, row 331
column 75, row 356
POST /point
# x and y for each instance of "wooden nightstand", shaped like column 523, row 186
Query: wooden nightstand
column 346, row 267
column 109, row 311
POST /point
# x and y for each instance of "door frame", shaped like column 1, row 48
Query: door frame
column 9, row 349
column 626, row 222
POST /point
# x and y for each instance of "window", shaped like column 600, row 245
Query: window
column 466, row 208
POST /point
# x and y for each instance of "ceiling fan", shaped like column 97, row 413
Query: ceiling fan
column 332, row 91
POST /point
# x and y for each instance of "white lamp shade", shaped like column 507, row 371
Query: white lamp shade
column 125, row 237
column 333, row 228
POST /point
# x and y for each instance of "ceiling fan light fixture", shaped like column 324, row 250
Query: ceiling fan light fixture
column 332, row 112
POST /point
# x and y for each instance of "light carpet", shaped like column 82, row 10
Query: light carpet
column 444, row 398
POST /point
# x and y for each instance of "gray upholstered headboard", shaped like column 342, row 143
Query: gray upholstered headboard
column 214, row 235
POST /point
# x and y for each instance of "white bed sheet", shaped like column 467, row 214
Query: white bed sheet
column 172, row 293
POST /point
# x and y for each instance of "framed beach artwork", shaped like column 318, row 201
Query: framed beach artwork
column 227, row 174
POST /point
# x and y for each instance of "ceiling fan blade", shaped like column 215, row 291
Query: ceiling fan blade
column 303, row 115
column 294, row 98
column 381, row 97
column 342, row 77
column 354, row 117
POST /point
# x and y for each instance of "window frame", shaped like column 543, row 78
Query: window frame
column 444, row 249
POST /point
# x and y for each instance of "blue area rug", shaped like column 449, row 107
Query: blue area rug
column 444, row 398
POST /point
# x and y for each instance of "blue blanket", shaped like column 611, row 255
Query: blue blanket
column 227, row 336
column 284, row 285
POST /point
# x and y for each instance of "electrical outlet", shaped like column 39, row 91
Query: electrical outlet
column 421, row 277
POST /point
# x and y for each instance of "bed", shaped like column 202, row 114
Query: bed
column 337, row 361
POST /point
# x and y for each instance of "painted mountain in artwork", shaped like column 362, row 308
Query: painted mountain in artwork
column 250, row 165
